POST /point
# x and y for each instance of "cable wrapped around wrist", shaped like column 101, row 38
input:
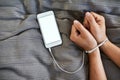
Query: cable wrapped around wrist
column 92, row 50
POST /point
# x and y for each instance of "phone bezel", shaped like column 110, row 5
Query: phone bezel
column 53, row 44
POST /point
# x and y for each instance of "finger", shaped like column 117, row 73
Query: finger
column 79, row 26
column 74, row 34
column 85, row 23
column 73, row 30
column 90, row 19
column 98, row 17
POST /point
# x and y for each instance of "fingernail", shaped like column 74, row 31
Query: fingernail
column 88, row 14
column 76, row 21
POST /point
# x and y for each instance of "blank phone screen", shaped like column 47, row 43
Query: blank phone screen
column 49, row 29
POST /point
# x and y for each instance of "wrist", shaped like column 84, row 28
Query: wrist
column 101, row 39
column 94, row 54
column 99, row 45
column 90, row 46
column 105, row 44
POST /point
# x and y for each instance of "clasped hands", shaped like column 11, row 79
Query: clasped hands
column 91, row 33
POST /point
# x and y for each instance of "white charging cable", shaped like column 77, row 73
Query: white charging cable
column 90, row 51
column 72, row 72
column 69, row 72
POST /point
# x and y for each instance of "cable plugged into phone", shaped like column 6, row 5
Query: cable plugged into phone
column 51, row 36
column 69, row 72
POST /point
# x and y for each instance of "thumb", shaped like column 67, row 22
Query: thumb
column 91, row 19
column 79, row 26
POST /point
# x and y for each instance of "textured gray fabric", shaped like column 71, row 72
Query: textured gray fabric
column 22, row 52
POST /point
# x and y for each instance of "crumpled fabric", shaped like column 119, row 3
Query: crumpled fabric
column 23, row 55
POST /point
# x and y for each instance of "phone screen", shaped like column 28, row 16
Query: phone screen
column 49, row 28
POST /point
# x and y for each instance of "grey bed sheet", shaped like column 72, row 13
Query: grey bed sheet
column 22, row 52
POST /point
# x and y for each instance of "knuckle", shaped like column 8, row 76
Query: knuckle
column 72, row 38
column 102, row 17
column 85, row 22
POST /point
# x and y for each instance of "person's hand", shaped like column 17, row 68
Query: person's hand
column 82, row 37
column 96, row 25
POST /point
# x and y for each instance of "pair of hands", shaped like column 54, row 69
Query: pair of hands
column 91, row 33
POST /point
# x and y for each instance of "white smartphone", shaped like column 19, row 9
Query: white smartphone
column 49, row 29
